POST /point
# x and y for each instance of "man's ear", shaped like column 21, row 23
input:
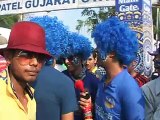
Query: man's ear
column 96, row 60
column 134, row 63
column 111, row 55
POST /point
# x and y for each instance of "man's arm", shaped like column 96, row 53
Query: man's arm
column 149, row 105
column 68, row 116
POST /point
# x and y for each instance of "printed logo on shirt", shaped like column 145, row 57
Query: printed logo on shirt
column 102, row 114
column 109, row 103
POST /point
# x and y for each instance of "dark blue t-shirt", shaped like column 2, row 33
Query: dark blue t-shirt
column 54, row 94
column 91, row 84
column 119, row 100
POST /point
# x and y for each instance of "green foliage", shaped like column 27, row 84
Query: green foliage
column 94, row 17
column 154, row 15
column 8, row 20
column 156, row 30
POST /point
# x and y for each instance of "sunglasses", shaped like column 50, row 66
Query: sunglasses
column 74, row 59
column 25, row 57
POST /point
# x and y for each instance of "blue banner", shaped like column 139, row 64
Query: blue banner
column 138, row 14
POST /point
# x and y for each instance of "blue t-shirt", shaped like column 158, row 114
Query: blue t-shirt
column 54, row 94
column 119, row 100
column 91, row 84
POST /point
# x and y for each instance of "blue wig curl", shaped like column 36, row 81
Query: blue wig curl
column 79, row 45
column 115, row 36
column 56, row 34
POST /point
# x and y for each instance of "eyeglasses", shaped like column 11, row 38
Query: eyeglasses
column 25, row 57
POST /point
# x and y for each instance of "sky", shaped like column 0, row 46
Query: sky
column 69, row 19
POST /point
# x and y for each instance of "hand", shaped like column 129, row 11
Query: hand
column 85, row 103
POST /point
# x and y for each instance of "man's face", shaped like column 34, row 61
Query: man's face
column 91, row 63
column 107, row 62
column 25, row 66
column 72, row 63
column 110, row 60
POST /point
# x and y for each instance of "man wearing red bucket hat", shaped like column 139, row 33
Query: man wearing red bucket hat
column 25, row 56
column 151, row 90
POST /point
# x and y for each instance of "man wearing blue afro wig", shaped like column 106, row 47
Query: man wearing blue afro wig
column 52, row 102
column 119, row 96
column 79, row 49
column 56, row 39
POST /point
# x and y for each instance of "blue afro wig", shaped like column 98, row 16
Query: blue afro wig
column 115, row 36
column 56, row 34
column 79, row 45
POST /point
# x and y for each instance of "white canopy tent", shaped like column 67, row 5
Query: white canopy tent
column 4, row 32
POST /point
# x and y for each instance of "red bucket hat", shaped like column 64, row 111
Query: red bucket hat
column 28, row 36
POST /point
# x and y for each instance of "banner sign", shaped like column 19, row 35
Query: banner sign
column 27, row 6
column 138, row 14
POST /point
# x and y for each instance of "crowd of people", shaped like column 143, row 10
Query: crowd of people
column 52, row 73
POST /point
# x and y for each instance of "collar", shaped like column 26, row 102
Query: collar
column 94, row 69
column 10, row 87
column 3, row 74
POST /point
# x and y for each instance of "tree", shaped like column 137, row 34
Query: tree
column 156, row 24
column 8, row 20
column 94, row 17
